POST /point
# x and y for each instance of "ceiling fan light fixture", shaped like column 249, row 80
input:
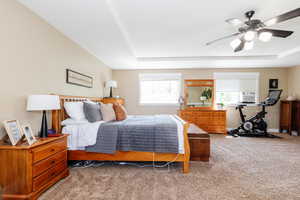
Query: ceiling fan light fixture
column 235, row 43
column 265, row 36
column 249, row 35
column 249, row 45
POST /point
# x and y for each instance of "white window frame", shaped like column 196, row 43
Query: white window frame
column 179, row 77
column 235, row 74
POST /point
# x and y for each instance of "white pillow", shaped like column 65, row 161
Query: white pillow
column 108, row 112
column 75, row 110
column 69, row 122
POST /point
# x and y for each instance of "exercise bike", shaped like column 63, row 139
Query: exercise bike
column 256, row 126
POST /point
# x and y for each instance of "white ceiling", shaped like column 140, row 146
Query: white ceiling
column 136, row 34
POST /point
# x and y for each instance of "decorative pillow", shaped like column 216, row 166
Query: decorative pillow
column 92, row 111
column 70, row 122
column 121, row 113
column 74, row 110
column 108, row 113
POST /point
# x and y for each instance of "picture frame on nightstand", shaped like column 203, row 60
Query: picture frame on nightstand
column 26, row 128
column 13, row 130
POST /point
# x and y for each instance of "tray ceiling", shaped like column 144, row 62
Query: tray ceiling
column 139, row 34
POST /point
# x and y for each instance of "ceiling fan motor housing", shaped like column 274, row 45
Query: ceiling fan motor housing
column 250, row 14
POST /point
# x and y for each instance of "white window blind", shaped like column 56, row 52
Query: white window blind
column 159, row 88
column 230, row 87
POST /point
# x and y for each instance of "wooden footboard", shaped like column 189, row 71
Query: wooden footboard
column 59, row 115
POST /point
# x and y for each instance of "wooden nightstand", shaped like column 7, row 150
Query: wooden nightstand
column 27, row 171
column 113, row 100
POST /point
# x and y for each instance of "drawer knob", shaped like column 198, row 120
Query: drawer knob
column 52, row 150
column 53, row 161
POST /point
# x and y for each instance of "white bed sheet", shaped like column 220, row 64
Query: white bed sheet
column 83, row 135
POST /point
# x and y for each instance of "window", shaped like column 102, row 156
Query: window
column 159, row 88
column 232, row 88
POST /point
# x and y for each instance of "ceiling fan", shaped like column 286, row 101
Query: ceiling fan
column 253, row 28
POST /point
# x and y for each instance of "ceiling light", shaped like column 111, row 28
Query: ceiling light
column 235, row 43
column 249, row 45
column 249, row 35
column 265, row 36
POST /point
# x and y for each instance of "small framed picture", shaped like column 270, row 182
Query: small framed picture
column 273, row 83
column 13, row 130
column 28, row 134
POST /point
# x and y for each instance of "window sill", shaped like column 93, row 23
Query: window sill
column 235, row 104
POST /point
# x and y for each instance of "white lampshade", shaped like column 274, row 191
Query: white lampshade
column 43, row 102
column 111, row 84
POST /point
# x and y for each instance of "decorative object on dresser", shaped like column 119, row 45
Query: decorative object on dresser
column 111, row 84
column 79, row 79
column 27, row 171
column 28, row 134
column 113, row 100
column 43, row 103
column 202, row 112
column 290, row 116
column 13, row 130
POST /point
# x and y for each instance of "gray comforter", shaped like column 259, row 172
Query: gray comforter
column 155, row 133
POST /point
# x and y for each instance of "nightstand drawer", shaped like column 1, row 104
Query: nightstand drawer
column 48, row 150
column 48, row 175
column 43, row 165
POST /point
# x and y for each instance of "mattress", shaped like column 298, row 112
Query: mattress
column 83, row 135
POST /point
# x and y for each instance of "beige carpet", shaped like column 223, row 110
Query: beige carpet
column 240, row 168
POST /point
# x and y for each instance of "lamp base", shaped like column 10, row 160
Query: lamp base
column 110, row 95
column 44, row 126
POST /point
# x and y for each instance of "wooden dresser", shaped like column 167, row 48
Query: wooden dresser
column 290, row 116
column 211, row 121
column 113, row 100
column 27, row 171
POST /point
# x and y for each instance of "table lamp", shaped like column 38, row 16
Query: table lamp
column 111, row 84
column 43, row 103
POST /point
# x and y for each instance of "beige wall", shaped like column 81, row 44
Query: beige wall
column 294, row 81
column 33, row 59
column 129, row 89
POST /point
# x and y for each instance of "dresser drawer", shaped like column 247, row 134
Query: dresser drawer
column 43, row 165
column 48, row 175
column 48, row 150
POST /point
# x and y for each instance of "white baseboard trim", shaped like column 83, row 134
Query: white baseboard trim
column 272, row 130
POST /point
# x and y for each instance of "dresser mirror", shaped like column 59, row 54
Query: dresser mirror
column 199, row 94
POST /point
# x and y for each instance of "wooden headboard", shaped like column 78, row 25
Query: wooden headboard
column 59, row 115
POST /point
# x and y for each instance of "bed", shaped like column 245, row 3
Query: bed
column 182, row 156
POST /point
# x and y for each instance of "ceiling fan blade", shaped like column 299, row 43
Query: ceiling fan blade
column 234, row 21
column 283, row 17
column 222, row 38
column 240, row 47
column 278, row 33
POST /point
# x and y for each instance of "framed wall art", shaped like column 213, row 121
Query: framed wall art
column 79, row 79
column 273, row 84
